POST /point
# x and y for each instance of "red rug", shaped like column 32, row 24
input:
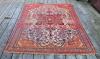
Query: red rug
column 49, row 29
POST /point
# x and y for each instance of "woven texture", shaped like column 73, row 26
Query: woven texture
column 49, row 29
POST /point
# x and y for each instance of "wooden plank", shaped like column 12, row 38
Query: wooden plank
column 28, row 56
column 1, row 1
column 91, row 19
column 17, row 56
column 58, row 1
column 54, row 1
column 81, row 12
column 97, row 56
column 49, row 2
column 35, row 1
column 27, row 1
column 83, row 8
column 38, row 56
column 5, row 12
column 5, row 21
column 5, row 36
column 3, row 7
column 38, row 1
column 86, row 22
column 70, row 57
column 89, row 29
column 20, row 1
column 59, row 57
column 81, row 57
column 67, row 1
column 61, row 1
column 41, row 1
column 91, row 57
column 45, row 1
column 6, row 56
column 49, row 56
column 7, row 1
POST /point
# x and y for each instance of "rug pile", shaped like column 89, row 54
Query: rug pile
column 49, row 29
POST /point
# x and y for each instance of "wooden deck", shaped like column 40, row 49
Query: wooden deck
column 10, row 11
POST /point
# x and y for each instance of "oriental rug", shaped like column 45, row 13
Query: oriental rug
column 49, row 29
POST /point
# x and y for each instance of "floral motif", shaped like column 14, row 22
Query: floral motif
column 46, row 35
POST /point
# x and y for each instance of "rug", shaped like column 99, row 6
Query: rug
column 49, row 29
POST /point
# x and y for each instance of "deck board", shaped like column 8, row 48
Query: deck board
column 40, row 56
column 17, row 56
column 70, row 57
column 81, row 57
column 3, row 27
column 86, row 22
column 2, row 9
column 13, row 11
column 91, row 57
column 6, row 34
column 4, row 21
column 6, row 10
column 49, row 56
column 59, row 57
column 28, row 56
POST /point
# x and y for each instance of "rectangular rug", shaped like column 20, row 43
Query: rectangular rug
column 49, row 29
